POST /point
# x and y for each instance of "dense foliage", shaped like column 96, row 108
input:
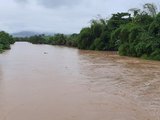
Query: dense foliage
column 5, row 41
column 134, row 33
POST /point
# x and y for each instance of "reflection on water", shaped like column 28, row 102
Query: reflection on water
column 41, row 82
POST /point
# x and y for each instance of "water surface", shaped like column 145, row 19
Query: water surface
column 42, row 82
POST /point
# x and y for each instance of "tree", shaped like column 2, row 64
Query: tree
column 85, row 38
column 154, row 28
column 150, row 8
column 135, row 11
column 5, row 40
column 118, row 19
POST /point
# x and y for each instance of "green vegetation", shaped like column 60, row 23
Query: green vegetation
column 5, row 41
column 57, row 39
column 134, row 33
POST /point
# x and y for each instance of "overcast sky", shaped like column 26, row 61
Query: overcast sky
column 59, row 16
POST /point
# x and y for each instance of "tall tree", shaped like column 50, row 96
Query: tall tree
column 150, row 8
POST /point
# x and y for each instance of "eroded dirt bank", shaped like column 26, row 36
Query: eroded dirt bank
column 41, row 82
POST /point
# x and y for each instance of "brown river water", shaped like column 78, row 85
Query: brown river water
column 42, row 82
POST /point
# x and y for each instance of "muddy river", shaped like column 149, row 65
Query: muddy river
column 42, row 82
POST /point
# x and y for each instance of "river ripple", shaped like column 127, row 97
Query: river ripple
column 42, row 82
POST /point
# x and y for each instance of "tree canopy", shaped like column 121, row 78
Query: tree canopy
column 5, row 41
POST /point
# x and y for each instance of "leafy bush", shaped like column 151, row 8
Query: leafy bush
column 85, row 38
column 5, row 41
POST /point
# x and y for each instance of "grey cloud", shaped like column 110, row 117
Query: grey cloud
column 58, row 3
column 52, row 3
column 21, row 1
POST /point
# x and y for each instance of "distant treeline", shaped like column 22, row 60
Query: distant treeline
column 134, row 33
column 5, row 41
column 57, row 39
